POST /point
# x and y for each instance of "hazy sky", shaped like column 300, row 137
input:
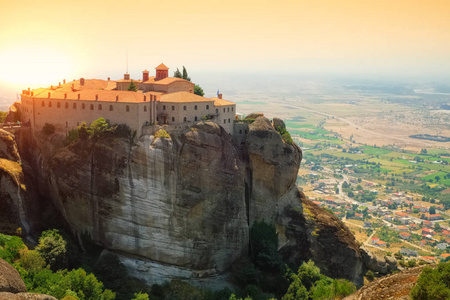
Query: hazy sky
column 44, row 41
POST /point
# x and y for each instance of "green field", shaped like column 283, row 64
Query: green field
column 375, row 151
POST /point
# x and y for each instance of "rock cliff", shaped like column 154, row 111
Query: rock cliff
column 182, row 206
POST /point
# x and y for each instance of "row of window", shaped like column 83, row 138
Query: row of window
column 196, row 108
column 196, row 119
column 83, row 106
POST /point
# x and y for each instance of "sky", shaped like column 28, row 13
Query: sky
column 45, row 41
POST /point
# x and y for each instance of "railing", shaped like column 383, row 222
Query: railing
column 14, row 125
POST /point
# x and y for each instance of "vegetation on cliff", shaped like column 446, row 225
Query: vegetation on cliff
column 433, row 283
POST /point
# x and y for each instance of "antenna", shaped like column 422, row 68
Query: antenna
column 127, row 61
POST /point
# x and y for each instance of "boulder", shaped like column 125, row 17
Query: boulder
column 382, row 265
column 10, row 280
column 25, row 296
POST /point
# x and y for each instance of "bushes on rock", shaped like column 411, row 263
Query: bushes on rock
column 161, row 133
column 264, row 246
column 48, row 129
column 52, row 248
column 285, row 135
column 433, row 283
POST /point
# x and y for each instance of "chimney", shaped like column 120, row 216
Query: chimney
column 49, row 94
column 65, row 96
column 117, row 98
column 64, row 81
column 81, row 81
column 96, row 97
column 144, row 76
column 126, row 76
column 220, row 95
column 32, row 93
column 78, row 96
column 28, row 89
column 108, row 78
column 145, row 98
column 59, row 84
column 73, row 86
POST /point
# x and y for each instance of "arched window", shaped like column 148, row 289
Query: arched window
column 195, row 118
column 184, row 119
column 74, row 105
column 145, row 108
column 195, row 107
column 164, row 107
column 228, row 109
column 217, row 110
column 49, row 104
column 184, row 107
column 173, row 107
column 127, row 108
column 58, row 104
column 92, row 106
column 229, row 120
column 224, row 109
column 110, row 108
column 173, row 119
column 67, row 124
column 99, row 107
column 231, row 108
column 207, row 106
column 83, row 106
column 43, row 104
column 66, row 105
column 224, row 121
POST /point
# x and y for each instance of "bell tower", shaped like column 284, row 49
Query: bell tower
column 162, row 72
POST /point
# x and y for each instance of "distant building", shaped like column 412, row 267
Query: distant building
column 405, row 235
column 408, row 252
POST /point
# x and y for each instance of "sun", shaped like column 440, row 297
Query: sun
column 34, row 66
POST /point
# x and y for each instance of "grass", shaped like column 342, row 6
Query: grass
column 12, row 168
column 375, row 151
column 291, row 124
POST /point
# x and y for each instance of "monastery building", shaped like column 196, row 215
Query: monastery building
column 159, row 100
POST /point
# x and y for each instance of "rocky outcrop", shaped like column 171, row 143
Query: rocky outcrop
column 12, row 286
column 383, row 265
column 10, row 280
column 395, row 286
column 182, row 207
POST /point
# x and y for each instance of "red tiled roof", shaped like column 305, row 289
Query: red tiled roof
column 162, row 67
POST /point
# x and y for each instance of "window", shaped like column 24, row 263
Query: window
column 127, row 108
column 67, row 124
column 217, row 110
column 110, row 108
column 100, row 107
column 207, row 106
column 74, row 105
column 228, row 109
column 173, row 107
column 83, row 106
column 240, row 131
column 58, row 104
column 184, row 119
column 195, row 107
column 49, row 104
column 66, row 105
column 43, row 104
column 145, row 108
column 92, row 106
column 224, row 121
column 164, row 107
column 173, row 119
column 224, row 109
column 195, row 119
column 229, row 120
column 231, row 108
column 184, row 107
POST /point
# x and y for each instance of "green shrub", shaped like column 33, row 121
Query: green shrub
column 433, row 283
column 264, row 245
column 285, row 135
column 161, row 133
column 10, row 247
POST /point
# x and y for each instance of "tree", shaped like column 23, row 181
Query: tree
column 185, row 75
column 432, row 283
column 264, row 245
column 52, row 248
column 132, row 87
column 98, row 127
column 423, row 151
column 177, row 74
column 198, row 90
column 432, row 210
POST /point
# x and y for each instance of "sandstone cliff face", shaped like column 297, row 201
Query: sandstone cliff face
column 177, row 201
column 182, row 207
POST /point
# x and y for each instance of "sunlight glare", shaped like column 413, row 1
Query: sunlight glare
column 34, row 66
